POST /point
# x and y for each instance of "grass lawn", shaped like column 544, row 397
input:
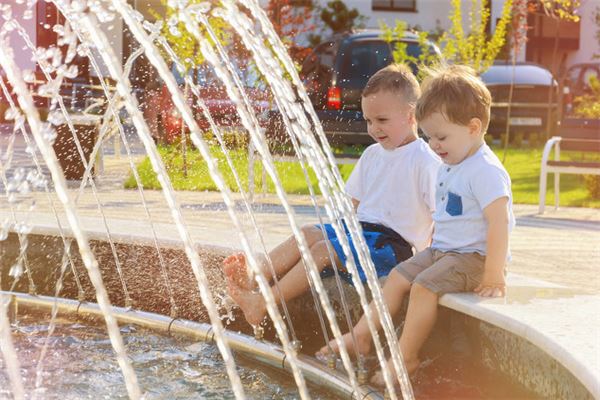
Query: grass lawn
column 523, row 165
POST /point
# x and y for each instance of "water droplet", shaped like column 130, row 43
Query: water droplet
column 16, row 270
column 56, row 117
column 11, row 114
column 28, row 76
column 4, row 229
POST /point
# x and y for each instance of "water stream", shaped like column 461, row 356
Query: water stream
column 82, row 33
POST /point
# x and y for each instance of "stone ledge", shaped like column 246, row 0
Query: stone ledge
column 563, row 322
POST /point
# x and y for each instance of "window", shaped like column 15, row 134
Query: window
column 364, row 58
column 395, row 5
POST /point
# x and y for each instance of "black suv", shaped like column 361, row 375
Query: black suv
column 335, row 74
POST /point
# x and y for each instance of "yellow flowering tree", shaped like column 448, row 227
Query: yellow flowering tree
column 474, row 48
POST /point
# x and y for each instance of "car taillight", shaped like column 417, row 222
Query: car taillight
column 334, row 98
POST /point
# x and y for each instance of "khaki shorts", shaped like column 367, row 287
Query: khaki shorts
column 444, row 272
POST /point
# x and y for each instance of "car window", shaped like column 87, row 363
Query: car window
column 362, row 59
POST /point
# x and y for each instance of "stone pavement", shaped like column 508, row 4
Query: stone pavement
column 562, row 246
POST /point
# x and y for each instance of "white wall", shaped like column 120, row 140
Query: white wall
column 429, row 13
column 23, row 57
column 114, row 33
column 588, row 44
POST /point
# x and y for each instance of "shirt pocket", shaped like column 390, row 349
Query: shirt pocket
column 454, row 206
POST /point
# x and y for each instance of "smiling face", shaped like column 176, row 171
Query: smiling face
column 452, row 142
column 390, row 120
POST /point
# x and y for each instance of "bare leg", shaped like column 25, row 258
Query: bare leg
column 293, row 284
column 283, row 257
column 420, row 318
column 394, row 289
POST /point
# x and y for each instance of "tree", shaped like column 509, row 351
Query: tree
column 517, row 39
column 185, row 46
column 291, row 18
column 337, row 18
column 559, row 10
column 475, row 48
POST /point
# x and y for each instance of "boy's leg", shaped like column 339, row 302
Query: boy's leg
column 394, row 289
column 397, row 284
column 420, row 318
column 283, row 257
column 293, row 284
column 450, row 273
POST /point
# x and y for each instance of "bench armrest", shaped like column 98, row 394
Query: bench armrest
column 553, row 141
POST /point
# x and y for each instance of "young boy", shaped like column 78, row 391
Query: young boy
column 392, row 189
column 472, row 218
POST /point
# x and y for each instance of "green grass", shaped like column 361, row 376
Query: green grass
column 522, row 164
column 198, row 177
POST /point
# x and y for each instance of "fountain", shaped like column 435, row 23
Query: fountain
column 68, row 252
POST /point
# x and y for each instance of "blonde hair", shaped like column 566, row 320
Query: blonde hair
column 397, row 79
column 458, row 93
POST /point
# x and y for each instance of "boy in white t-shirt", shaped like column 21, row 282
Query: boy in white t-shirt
column 473, row 214
column 392, row 189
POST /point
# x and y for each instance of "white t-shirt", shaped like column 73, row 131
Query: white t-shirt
column 462, row 192
column 396, row 189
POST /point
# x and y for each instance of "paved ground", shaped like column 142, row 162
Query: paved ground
column 562, row 246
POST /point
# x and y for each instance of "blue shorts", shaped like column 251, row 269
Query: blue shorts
column 386, row 247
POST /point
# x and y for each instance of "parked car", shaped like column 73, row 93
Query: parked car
column 529, row 103
column 334, row 75
column 222, row 108
column 576, row 82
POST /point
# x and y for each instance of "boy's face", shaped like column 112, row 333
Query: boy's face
column 453, row 143
column 390, row 120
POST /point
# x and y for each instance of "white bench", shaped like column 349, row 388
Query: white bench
column 574, row 134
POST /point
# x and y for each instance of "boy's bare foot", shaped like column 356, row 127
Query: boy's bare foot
column 236, row 270
column 411, row 367
column 252, row 304
column 363, row 344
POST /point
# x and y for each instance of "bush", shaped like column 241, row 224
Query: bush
column 592, row 183
column 534, row 139
column 517, row 140
column 489, row 139
column 588, row 106
column 231, row 139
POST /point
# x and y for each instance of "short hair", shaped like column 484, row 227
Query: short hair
column 397, row 79
column 457, row 92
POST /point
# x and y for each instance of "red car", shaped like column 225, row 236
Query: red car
column 212, row 91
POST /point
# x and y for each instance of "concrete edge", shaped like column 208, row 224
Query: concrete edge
column 464, row 303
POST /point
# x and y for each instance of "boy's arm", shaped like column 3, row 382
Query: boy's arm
column 496, row 214
column 355, row 203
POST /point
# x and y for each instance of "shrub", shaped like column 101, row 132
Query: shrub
column 588, row 105
column 592, row 183
column 517, row 140
column 489, row 139
column 534, row 139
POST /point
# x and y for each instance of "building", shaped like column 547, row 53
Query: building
column 576, row 40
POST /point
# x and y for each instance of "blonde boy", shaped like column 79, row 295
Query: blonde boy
column 473, row 215
column 392, row 189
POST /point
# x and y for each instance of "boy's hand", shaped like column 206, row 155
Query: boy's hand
column 491, row 286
